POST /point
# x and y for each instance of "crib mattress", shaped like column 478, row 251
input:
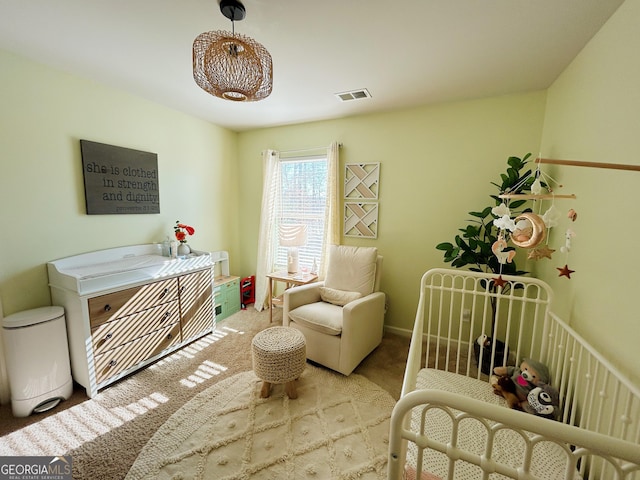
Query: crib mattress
column 549, row 459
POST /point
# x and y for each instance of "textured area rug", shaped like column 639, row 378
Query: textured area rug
column 337, row 428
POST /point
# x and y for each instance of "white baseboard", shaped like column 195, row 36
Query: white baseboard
column 403, row 332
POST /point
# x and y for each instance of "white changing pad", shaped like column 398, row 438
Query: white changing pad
column 549, row 459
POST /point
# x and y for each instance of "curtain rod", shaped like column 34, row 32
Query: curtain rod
column 315, row 149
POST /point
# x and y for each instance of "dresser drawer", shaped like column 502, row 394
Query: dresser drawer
column 119, row 359
column 196, row 307
column 125, row 329
column 200, row 320
column 125, row 302
column 193, row 288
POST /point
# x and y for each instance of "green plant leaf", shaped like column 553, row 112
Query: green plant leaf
column 462, row 244
column 515, row 162
column 516, row 204
column 471, row 231
column 452, row 255
column 468, row 257
column 458, row 263
column 444, row 246
column 486, row 212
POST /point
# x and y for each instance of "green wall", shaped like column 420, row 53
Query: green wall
column 44, row 114
column 593, row 114
column 436, row 165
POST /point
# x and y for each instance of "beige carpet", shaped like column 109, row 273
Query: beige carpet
column 337, row 428
column 104, row 435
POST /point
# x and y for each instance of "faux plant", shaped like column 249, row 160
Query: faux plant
column 181, row 230
column 472, row 248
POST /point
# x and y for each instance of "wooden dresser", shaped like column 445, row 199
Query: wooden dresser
column 129, row 306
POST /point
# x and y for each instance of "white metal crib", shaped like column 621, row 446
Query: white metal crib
column 449, row 424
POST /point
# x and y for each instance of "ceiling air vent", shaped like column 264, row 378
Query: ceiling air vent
column 353, row 95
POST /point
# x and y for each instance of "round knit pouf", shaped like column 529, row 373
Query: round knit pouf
column 279, row 356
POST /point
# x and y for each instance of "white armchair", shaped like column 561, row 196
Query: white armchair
column 342, row 318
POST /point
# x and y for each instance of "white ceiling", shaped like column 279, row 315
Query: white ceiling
column 406, row 53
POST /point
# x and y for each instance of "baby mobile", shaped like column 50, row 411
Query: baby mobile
column 530, row 229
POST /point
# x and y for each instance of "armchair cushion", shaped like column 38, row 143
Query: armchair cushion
column 319, row 316
column 338, row 297
column 352, row 269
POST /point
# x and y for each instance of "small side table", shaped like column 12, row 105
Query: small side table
column 290, row 279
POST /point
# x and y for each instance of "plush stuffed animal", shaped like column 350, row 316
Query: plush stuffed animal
column 514, row 384
column 543, row 401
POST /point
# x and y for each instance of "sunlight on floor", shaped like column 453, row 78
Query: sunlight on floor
column 205, row 371
column 232, row 330
column 70, row 428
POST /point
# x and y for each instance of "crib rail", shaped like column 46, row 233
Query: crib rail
column 455, row 307
column 594, row 394
column 617, row 459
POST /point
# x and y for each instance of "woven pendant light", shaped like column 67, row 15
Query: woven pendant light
column 232, row 66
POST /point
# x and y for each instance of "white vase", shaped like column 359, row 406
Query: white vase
column 183, row 250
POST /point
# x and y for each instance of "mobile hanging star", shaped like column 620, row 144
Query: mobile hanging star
column 565, row 271
column 499, row 282
column 540, row 252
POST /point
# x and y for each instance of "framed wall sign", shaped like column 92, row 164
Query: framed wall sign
column 119, row 180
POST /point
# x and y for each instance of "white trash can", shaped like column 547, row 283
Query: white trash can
column 37, row 356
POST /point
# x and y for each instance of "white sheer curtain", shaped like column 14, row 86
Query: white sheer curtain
column 267, row 240
column 332, row 222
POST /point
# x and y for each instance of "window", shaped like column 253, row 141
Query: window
column 303, row 189
column 302, row 200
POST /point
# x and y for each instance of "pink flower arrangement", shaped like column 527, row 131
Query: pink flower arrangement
column 182, row 230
